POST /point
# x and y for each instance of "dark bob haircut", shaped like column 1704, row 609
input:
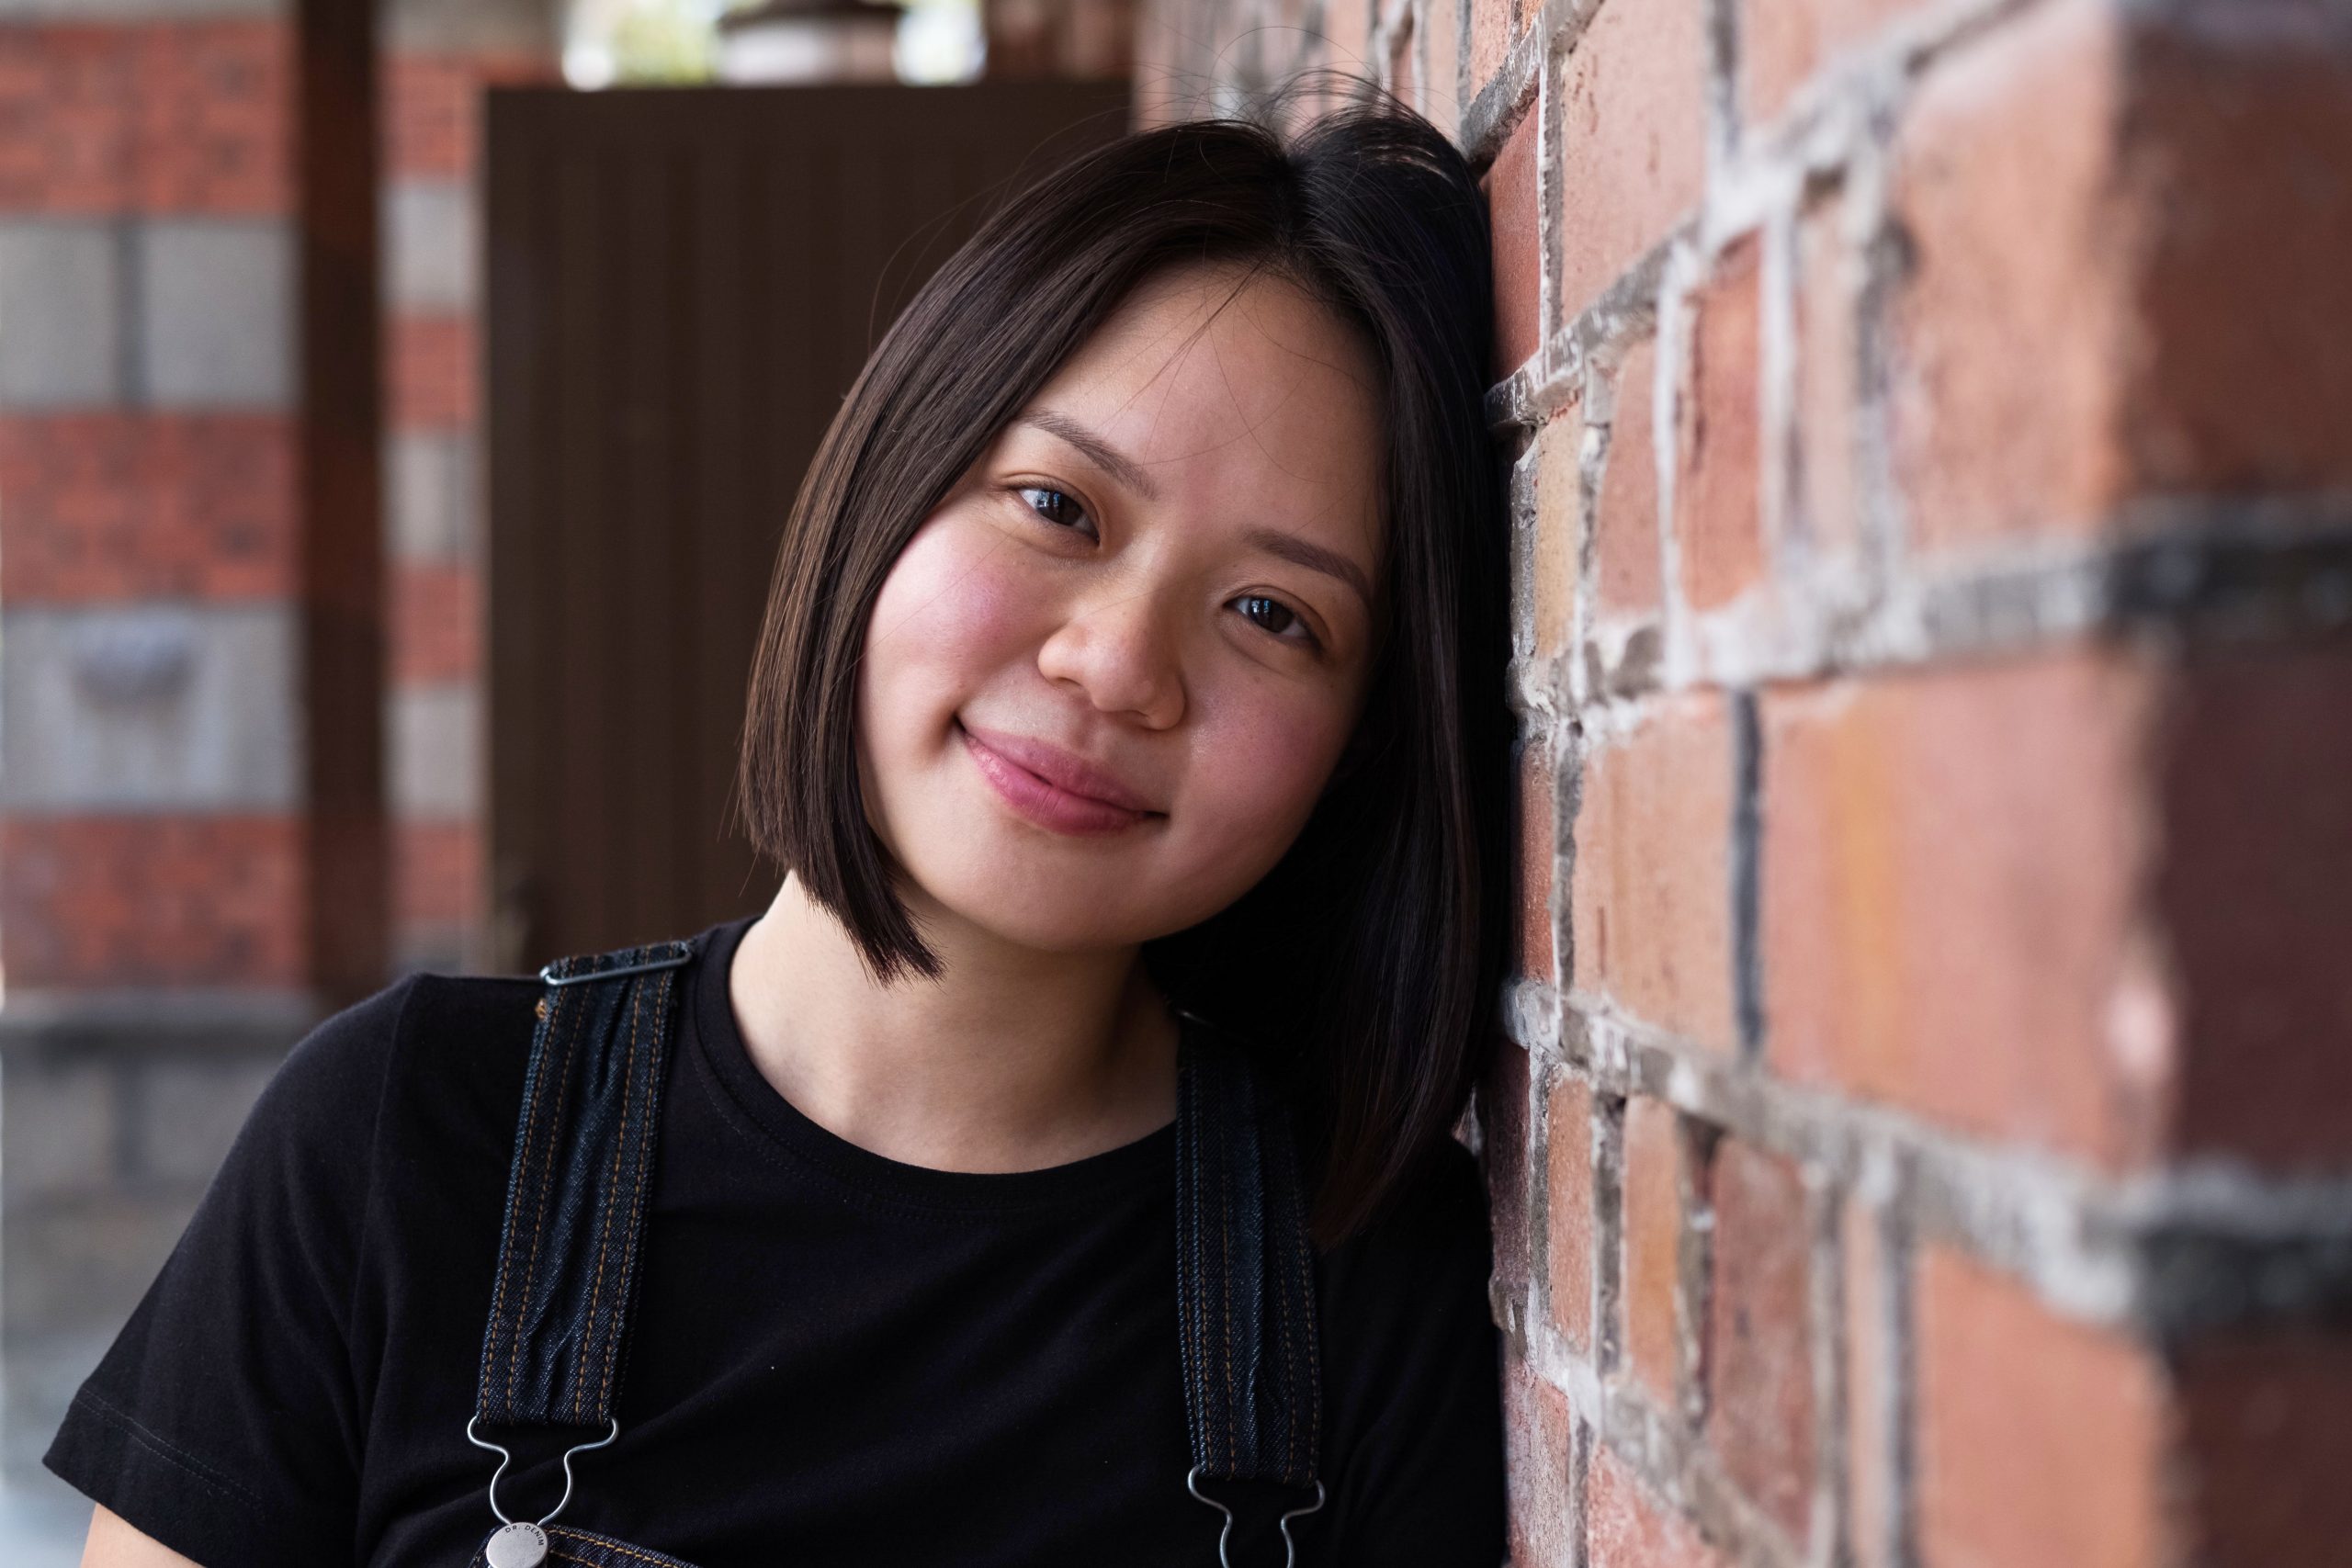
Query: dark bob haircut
column 1367, row 964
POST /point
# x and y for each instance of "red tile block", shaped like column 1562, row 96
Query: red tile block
column 432, row 108
column 1625, row 511
column 2043, row 1442
column 438, row 872
column 1951, row 873
column 113, row 506
column 1653, row 1225
column 1652, row 879
column 437, row 623
column 1493, row 25
column 1717, row 523
column 1568, row 1214
column 1515, row 207
column 1828, row 503
column 1627, row 1526
column 1559, row 528
column 1782, row 42
column 68, row 132
column 1759, row 1336
column 153, row 900
column 1536, row 1435
column 435, row 373
column 215, row 116
column 1632, row 137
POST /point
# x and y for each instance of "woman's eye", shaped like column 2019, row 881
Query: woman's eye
column 1285, row 618
column 1059, row 498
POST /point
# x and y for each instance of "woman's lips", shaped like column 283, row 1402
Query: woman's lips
column 1047, row 804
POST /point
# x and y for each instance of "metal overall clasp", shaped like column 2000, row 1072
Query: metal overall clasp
column 1290, row 1547
column 518, row 1543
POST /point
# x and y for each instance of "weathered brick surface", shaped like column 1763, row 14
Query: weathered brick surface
column 111, row 901
column 432, row 107
column 1571, row 1220
column 1951, row 862
column 1871, row 1388
column 1536, row 1426
column 1716, row 526
column 2041, row 1441
column 1514, row 209
column 1559, row 526
column 1626, row 508
column 1503, row 1112
column 1652, row 901
column 1493, row 25
column 1826, row 500
column 1632, row 137
column 124, row 506
column 435, row 371
column 437, row 628
column 1653, row 1240
column 1760, row 1413
column 147, row 115
column 1538, row 845
column 1627, row 1526
column 1782, row 42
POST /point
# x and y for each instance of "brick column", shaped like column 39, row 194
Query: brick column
column 439, row 58
column 1921, row 1133
column 190, row 828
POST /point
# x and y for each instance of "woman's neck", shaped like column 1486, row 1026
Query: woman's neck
column 1013, row 1060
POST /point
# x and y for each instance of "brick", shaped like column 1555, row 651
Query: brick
column 438, row 872
column 1783, row 42
column 1652, row 883
column 1828, row 504
column 1759, row 1336
column 1653, row 1240
column 67, row 138
column 152, row 901
column 436, row 751
column 2265, row 1446
column 149, row 706
column 1347, row 27
column 1632, row 137
column 2248, row 779
column 1626, row 1526
column 216, row 305
column 1568, row 1213
column 60, row 285
column 432, row 107
column 1503, row 1110
column 1403, row 78
column 1538, row 851
column 1871, row 1389
column 1514, row 204
column 2041, row 1441
column 1493, row 25
column 1559, row 524
column 437, row 628
column 1950, row 869
column 1536, row 1435
column 1445, row 98
column 1625, row 513
column 215, row 116
column 117, row 506
column 2002, row 182
column 1717, row 529
column 435, row 373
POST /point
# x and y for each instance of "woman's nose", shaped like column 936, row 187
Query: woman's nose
column 1119, row 647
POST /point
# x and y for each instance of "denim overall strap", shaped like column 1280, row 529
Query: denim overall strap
column 568, row 1250
column 1246, row 1285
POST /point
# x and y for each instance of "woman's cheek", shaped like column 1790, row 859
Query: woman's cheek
column 953, row 592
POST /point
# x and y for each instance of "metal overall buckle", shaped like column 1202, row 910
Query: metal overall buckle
column 518, row 1543
column 1290, row 1547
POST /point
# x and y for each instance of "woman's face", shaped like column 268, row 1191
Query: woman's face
column 1167, row 567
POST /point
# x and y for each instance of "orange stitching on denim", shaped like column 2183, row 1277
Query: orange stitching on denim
column 605, row 1221
column 530, row 1124
column 638, row 1180
column 605, row 1543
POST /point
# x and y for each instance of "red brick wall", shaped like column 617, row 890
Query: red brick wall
column 1920, row 1131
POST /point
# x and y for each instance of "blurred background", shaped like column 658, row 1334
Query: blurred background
column 1920, row 1122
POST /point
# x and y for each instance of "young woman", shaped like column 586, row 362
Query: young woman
column 1130, row 701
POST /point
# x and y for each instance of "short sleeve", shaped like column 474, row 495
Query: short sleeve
column 225, row 1420
column 1413, row 1365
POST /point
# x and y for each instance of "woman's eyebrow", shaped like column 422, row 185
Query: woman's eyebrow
column 1273, row 541
column 1104, row 455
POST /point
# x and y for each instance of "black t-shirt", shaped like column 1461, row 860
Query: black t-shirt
column 835, row 1357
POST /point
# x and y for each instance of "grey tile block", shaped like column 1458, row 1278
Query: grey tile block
column 216, row 312
column 432, row 496
column 148, row 707
column 61, row 328
column 430, row 239
column 137, row 10
column 60, row 1131
column 473, row 27
column 185, row 1111
column 435, row 746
